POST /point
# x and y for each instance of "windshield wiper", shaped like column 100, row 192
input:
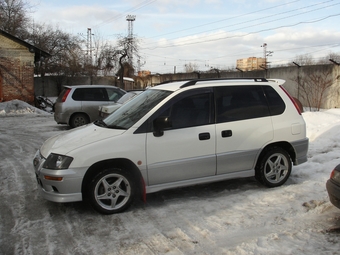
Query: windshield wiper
column 100, row 123
column 116, row 127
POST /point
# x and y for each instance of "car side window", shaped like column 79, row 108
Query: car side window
column 90, row 94
column 189, row 111
column 275, row 102
column 234, row 103
column 78, row 95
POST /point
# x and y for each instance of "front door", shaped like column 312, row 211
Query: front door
column 186, row 150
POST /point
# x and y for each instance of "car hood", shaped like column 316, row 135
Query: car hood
column 74, row 139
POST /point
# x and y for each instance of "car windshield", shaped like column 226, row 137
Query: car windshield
column 126, row 97
column 131, row 112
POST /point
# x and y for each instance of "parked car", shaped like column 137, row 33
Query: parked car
column 175, row 135
column 106, row 110
column 78, row 105
column 333, row 186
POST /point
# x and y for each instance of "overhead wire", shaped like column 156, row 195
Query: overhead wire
column 263, row 30
column 218, row 21
column 246, row 34
column 135, row 8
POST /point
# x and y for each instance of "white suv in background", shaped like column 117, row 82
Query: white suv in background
column 175, row 135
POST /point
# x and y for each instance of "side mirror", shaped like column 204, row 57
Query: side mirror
column 159, row 125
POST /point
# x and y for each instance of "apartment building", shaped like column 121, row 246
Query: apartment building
column 252, row 63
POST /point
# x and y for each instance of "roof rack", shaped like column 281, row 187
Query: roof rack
column 193, row 82
column 169, row 81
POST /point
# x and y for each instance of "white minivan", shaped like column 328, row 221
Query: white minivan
column 174, row 135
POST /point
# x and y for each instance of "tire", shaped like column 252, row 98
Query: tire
column 111, row 191
column 79, row 119
column 274, row 168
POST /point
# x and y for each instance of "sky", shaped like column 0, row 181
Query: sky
column 205, row 33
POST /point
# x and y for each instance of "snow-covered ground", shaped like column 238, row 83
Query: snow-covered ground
column 230, row 217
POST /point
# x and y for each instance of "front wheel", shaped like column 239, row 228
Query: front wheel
column 111, row 191
column 274, row 168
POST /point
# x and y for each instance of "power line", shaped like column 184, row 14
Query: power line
column 273, row 15
column 218, row 21
column 246, row 34
column 123, row 14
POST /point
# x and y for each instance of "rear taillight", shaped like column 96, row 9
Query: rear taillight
column 292, row 99
column 65, row 95
column 332, row 174
column 335, row 176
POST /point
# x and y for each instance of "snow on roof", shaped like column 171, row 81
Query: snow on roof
column 127, row 79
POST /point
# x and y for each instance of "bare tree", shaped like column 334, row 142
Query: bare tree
column 125, row 47
column 331, row 55
column 304, row 60
column 66, row 54
column 314, row 85
column 106, row 61
column 65, row 50
column 14, row 17
column 190, row 67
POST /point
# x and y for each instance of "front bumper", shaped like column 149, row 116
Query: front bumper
column 333, row 190
column 66, row 190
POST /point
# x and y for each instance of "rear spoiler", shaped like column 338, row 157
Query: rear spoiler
column 278, row 81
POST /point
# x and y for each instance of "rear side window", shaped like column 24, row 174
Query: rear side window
column 234, row 103
column 276, row 104
column 90, row 94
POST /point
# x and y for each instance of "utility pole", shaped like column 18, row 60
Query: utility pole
column 130, row 19
column 89, row 46
column 265, row 55
column 89, row 54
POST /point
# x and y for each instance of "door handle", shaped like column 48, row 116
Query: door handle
column 204, row 136
column 227, row 133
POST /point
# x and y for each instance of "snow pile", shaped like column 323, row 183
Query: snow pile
column 15, row 107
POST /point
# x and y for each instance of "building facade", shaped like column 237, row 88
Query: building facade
column 250, row 64
column 17, row 60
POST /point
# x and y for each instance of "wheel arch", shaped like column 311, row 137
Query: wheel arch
column 121, row 163
column 282, row 144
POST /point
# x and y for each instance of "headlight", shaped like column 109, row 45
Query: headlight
column 57, row 162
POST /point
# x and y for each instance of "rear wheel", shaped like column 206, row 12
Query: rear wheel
column 274, row 167
column 79, row 119
column 111, row 191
